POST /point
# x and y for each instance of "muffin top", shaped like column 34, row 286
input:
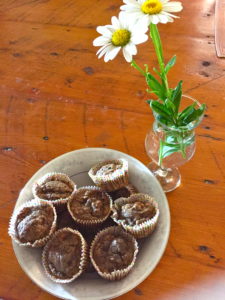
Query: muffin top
column 90, row 204
column 54, row 187
column 64, row 254
column 133, row 211
column 113, row 251
column 124, row 192
column 34, row 223
column 108, row 169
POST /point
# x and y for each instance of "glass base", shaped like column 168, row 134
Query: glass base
column 169, row 179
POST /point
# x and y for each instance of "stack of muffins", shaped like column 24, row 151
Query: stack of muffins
column 76, row 226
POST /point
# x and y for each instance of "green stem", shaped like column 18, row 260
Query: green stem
column 161, row 145
column 154, row 34
column 135, row 65
column 183, row 147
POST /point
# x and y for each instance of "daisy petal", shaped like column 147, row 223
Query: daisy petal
column 127, row 55
column 141, row 1
column 100, row 41
column 104, row 31
column 115, row 22
column 104, row 49
column 139, row 38
column 170, row 15
column 131, row 48
column 169, row 18
column 147, row 19
column 163, row 18
column 173, row 6
column 130, row 2
column 125, row 19
column 142, row 25
column 130, row 8
column 155, row 19
column 110, row 55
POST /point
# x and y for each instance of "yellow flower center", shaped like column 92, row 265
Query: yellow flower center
column 151, row 7
column 121, row 37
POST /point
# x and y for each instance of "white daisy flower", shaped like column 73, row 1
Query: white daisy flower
column 152, row 11
column 124, row 33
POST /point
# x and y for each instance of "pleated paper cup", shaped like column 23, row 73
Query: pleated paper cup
column 113, row 181
column 12, row 224
column 117, row 274
column 53, row 176
column 91, row 222
column 140, row 230
column 132, row 189
column 83, row 259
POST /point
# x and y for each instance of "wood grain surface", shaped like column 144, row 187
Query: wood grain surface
column 56, row 96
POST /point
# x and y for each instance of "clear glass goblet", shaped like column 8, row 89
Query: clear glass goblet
column 167, row 172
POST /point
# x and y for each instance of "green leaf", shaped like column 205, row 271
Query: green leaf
column 162, row 120
column 191, row 114
column 154, row 84
column 191, row 117
column 201, row 109
column 170, row 64
column 176, row 96
column 160, row 109
column 169, row 149
column 170, row 106
column 186, row 112
column 166, row 149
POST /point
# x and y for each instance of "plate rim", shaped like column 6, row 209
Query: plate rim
column 167, row 234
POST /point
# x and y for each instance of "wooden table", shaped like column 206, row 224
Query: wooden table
column 56, row 96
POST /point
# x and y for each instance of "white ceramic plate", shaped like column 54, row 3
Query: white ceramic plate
column 90, row 286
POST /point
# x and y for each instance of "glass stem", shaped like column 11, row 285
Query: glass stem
column 161, row 172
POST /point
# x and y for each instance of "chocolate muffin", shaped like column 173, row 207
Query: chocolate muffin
column 110, row 175
column 124, row 192
column 90, row 206
column 54, row 187
column 113, row 253
column 65, row 255
column 33, row 223
column 137, row 214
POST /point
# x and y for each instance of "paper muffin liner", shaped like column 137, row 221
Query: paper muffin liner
column 132, row 189
column 110, row 182
column 45, row 178
column 12, row 224
column 89, row 223
column 83, row 258
column 117, row 274
column 141, row 230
